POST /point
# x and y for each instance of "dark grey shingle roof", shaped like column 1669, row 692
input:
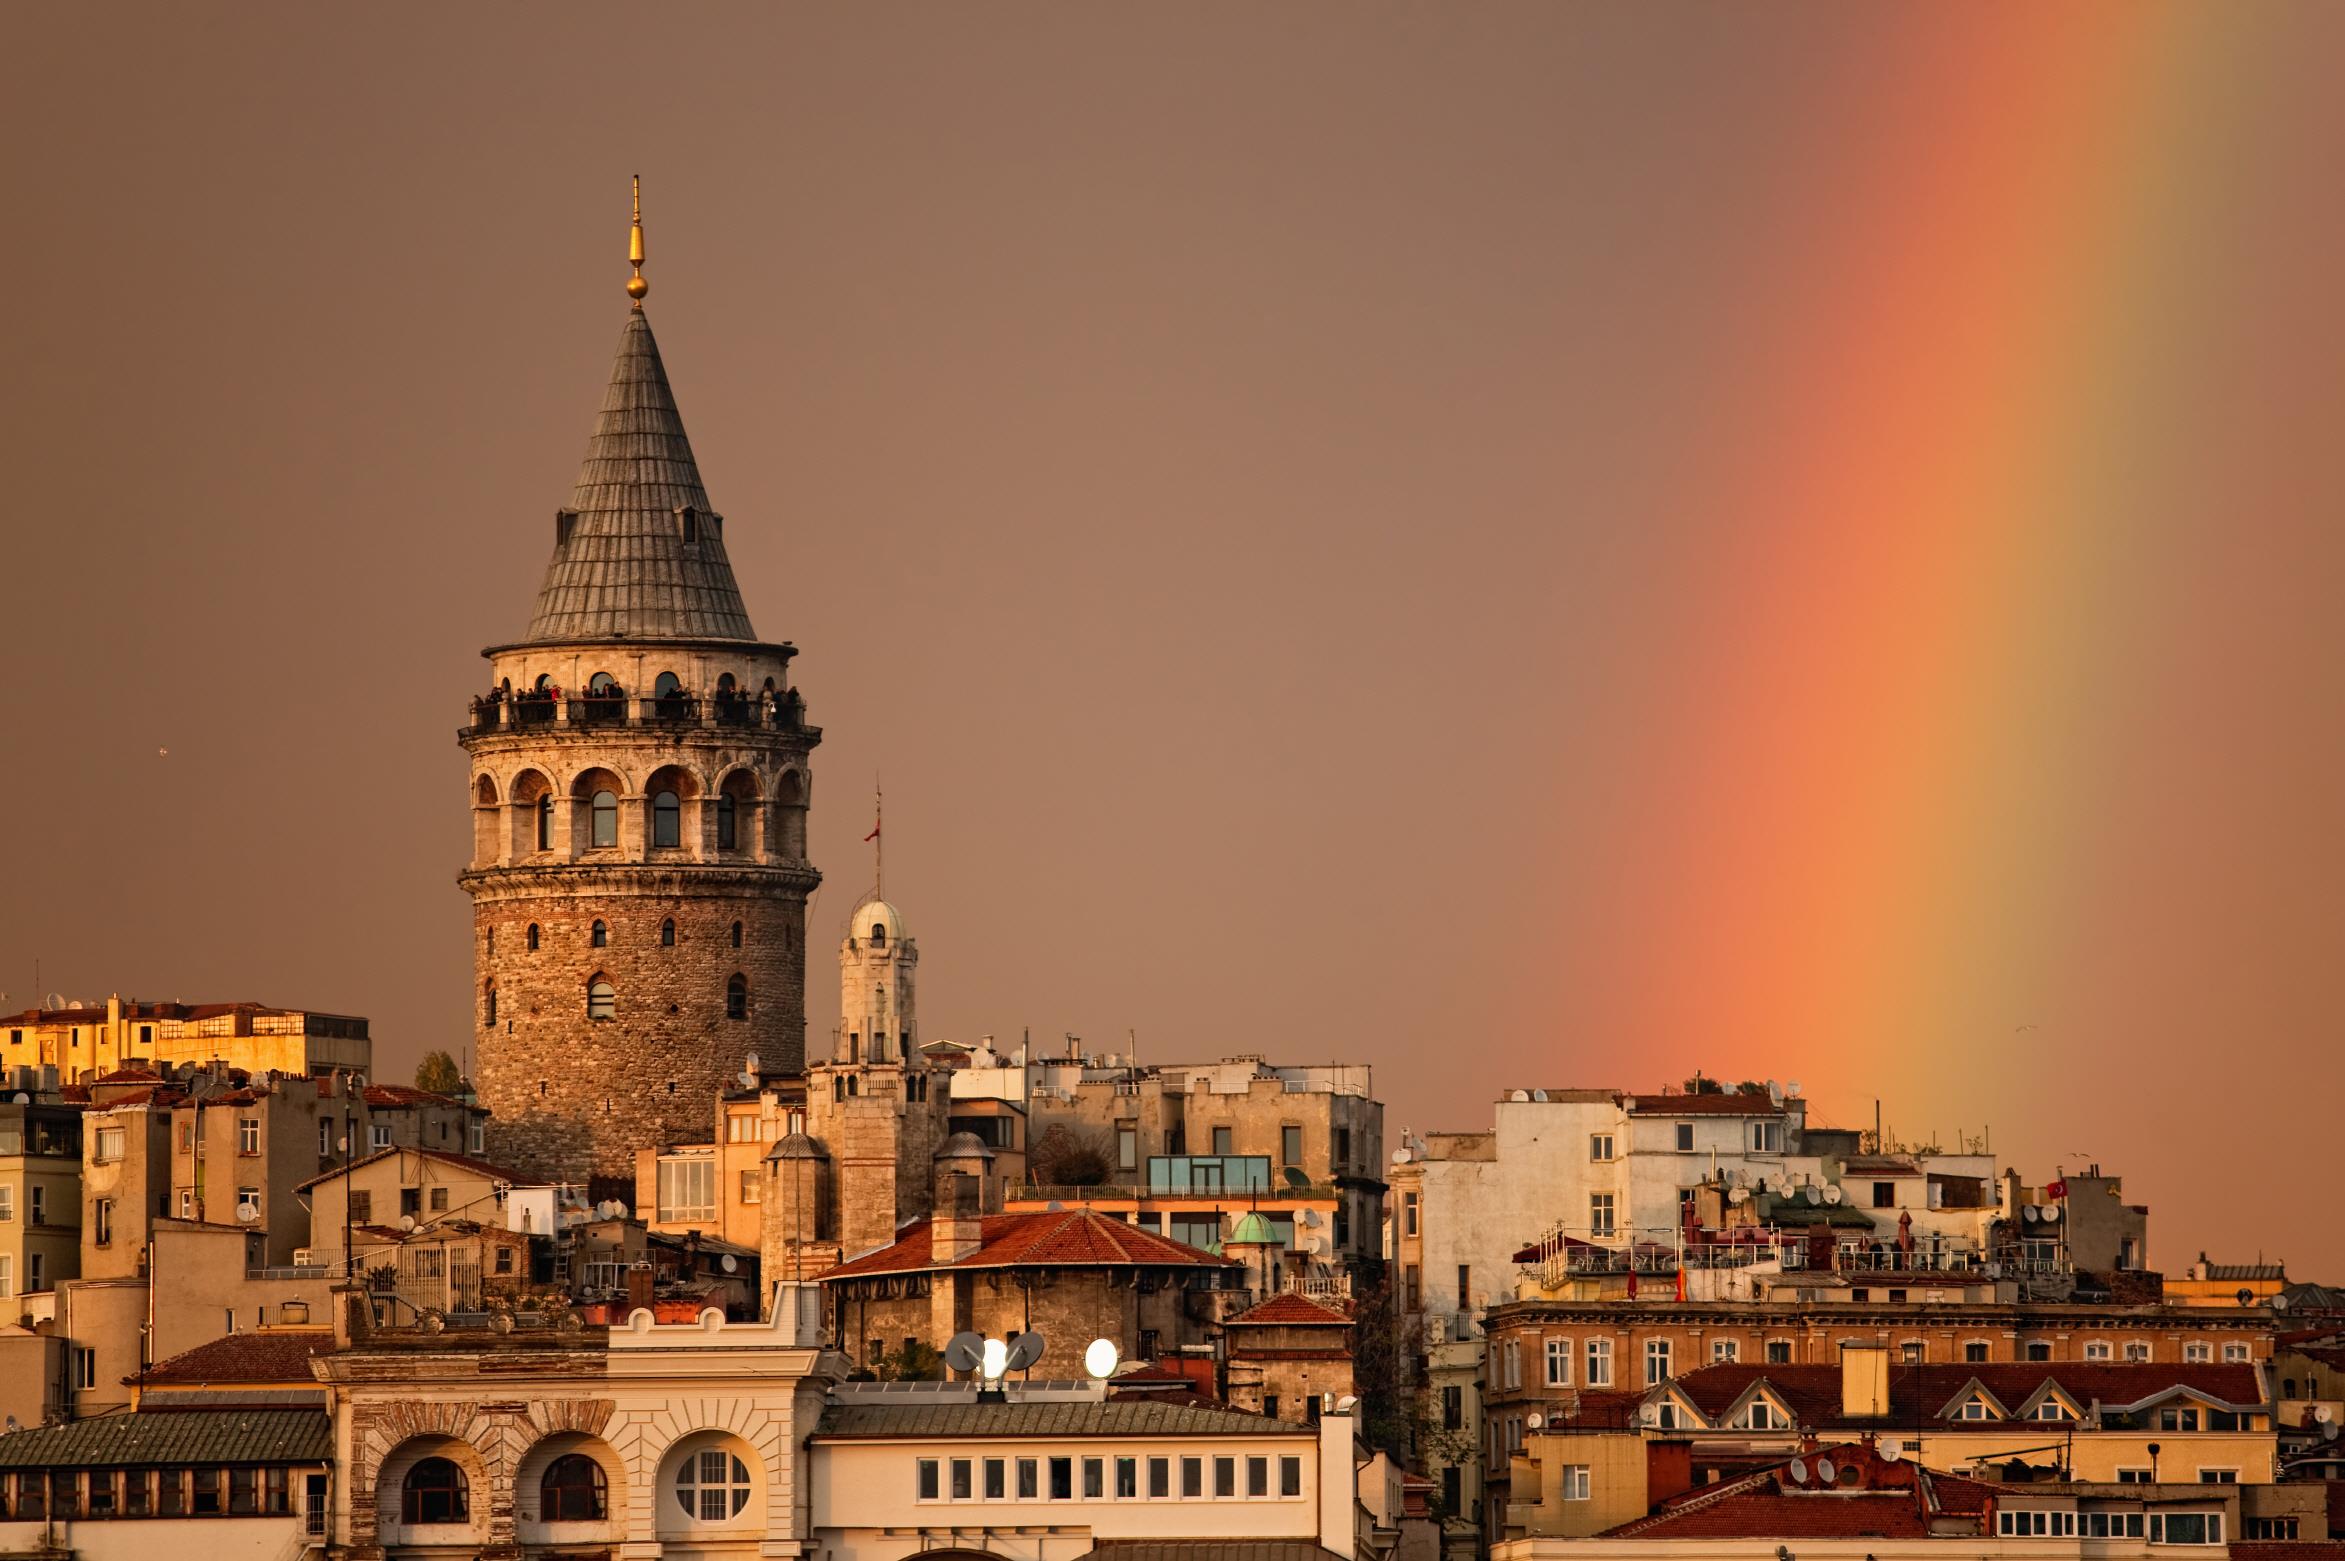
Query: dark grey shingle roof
column 1120, row 1417
column 174, row 1436
column 627, row 569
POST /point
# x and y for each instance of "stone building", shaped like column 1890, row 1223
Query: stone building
column 639, row 783
column 1289, row 1355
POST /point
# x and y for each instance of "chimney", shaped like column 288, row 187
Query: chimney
column 639, row 1286
column 1864, row 1381
column 959, row 1226
column 1669, row 1469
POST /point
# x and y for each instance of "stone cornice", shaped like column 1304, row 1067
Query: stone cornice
column 645, row 880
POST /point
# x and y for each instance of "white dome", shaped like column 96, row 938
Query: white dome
column 874, row 920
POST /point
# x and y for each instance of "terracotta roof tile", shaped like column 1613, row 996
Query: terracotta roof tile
column 1291, row 1310
column 1702, row 1106
column 267, row 1356
column 1069, row 1238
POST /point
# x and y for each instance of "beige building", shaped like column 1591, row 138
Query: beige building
column 40, row 1197
column 1289, row 1355
column 84, row 1041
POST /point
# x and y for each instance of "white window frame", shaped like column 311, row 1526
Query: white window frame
column 1603, row 1214
column 378, row 1137
column 1662, row 1352
column 1559, row 1362
column 2218, row 1474
column 1767, row 1136
column 1725, row 1352
column 2098, row 1350
column 1577, row 1486
column 2237, row 1353
column 1600, row 1148
column 1681, row 1137
column 1599, row 1358
column 2198, row 1352
column 2137, row 1351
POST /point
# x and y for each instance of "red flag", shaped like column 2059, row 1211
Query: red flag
column 2056, row 1190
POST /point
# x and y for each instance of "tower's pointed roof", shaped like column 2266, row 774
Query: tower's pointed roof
column 638, row 554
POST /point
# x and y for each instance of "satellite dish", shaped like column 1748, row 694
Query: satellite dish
column 965, row 1351
column 1099, row 1358
column 2051, row 1213
column 1025, row 1350
column 407, row 1222
column 1792, row 1088
column 1312, row 1218
column 23, row 1099
column 1825, row 1471
column 1774, row 1093
column 729, row 1263
column 1539, row 1095
column 1892, row 1448
column 1403, row 1155
column 2323, row 1413
column 2279, row 1303
column 1832, row 1195
column 993, row 1360
column 1054, row 1207
column 1534, row 1420
column 247, row 1213
column 1808, row 1194
column 1296, row 1179
column 1649, row 1414
column 2028, row 1212
column 1345, row 1404
column 1799, row 1471
column 1738, row 1195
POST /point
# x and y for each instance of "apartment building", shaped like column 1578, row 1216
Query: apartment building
column 85, row 1040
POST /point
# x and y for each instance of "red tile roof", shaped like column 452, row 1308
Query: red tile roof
column 1812, row 1393
column 463, row 1162
column 1295, row 1311
column 2288, row 1550
column 130, row 1075
column 267, row 1356
column 389, row 1095
column 1077, row 1238
column 1871, row 1499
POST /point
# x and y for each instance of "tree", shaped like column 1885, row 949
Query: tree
column 1065, row 1156
column 439, row 1074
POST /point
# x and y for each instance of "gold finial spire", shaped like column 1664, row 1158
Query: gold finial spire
column 636, row 285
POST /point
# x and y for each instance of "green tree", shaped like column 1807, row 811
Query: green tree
column 439, row 1074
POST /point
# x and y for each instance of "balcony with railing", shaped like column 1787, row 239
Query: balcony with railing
column 610, row 706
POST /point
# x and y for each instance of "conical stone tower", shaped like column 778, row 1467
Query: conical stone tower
column 639, row 789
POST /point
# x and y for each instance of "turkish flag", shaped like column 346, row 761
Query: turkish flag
column 2056, row 1190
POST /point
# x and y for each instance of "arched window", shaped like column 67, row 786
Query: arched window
column 737, row 997
column 728, row 832
column 602, row 1000
column 434, row 1493
column 572, row 1490
column 667, row 819
column 606, row 818
column 544, row 683
column 599, row 935
column 489, row 1003
column 533, row 935
column 712, row 1485
column 879, row 934
column 545, row 822
column 736, row 934
column 602, row 685
column 725, row 683
column 667, row 686
column 668, row 933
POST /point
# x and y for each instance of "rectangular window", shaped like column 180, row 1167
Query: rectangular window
column 2178, row 1419
column 1127, row 1146
column 40, row 1204
column 439, row 1200
column 687, row 1187
column 204, row 1493
column 1884, row 1195
column 248, row 1135
column 313, row 1503
column 1599, row 1373
column 2273, row 1528
column 1029, row 1479
column 2038, row 1349
column 1725, row 1350
column 102, row 1222
column 2097, row 1349
column 1257, row 1476
column 1600, row 1146
column 2136, row 1350
column 1127, row 1479
column 1453, row 1404
column 997, row 1479
column 362, row 1208
column 1225, row 1476
column 1576, row 1484
column 1343, row 1148
column 2198, row 1353
column 243, row 1498
column 2133, row 1476
column 1290, row 1477
column 1558, row 1363
column 1094, row 1478
column 1159, row 1478
column 1408, row 1214
column 137, row 1494
column 927, row 1486
column 1685, row 1138
column 1465, row 1285
column 109, row 1144
column 1975, row 1350
column 1290, row 1144
column 1600, row 1214
column 2218, row 1476
column 1766, row 1138
column 1656, row 1363
column 1222, row 1142
column 2235, row 1354
column 7, row 1203
column 273, row 1496
column 378, row 1136
column 85, row 1368
column 1062, row 1479
column 170, row 1493
column 2186, row 1528
column 1778, row 1352
column 961, row 1475
column 1192, row 1476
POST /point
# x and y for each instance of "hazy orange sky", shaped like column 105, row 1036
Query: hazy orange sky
column 1523, row 545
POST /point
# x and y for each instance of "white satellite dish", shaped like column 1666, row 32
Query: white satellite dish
column 1519, row 1096
column 1825, row 1471
column 1534, row 1420
column 1738, row 1195
column 247, row 1212
column 23, row 1099
column 1402, row 1156
column 1539, row 1095
column 1832, row 1195
column 1099, row 1358
column 1892, row 1448
column 994, row 1360
column 1774, row 1093
column 2051, row 1213
column 729, row 1263
column 1799, row 1471
column 2323, row 1413
column 1808, row 1194
column 407, row 1222
column 1792, row 1089
column 1312, row 1218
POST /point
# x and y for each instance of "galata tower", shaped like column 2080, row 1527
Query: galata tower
column 639, row 788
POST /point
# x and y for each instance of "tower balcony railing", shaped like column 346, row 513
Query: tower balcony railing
column 785, row 712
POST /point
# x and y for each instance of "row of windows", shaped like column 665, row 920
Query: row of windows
column 2161, row 1528
column 602, row 998
column 573, row 1489
column 599, row 935
column 667, row 821
column 1659, row 1361
column 208, row 1492
column 1054, row 1479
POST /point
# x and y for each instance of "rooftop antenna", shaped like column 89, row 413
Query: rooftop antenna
column 878, row 846
column 636, row 285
